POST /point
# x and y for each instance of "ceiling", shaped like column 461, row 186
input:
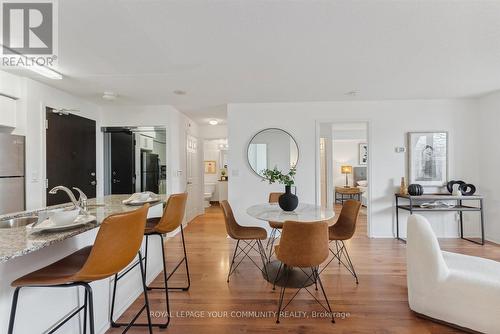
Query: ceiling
column 276, row 51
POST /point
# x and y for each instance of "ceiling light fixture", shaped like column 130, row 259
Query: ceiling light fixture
column 180, row 92
column 213, row 122
column 110, row 96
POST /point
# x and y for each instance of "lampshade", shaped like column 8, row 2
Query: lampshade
column 346, row 169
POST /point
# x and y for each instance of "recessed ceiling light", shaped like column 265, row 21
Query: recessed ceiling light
column 110, row 96
column 180, row 92
column 213, row 122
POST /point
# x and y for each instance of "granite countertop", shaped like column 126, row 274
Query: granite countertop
column 15, row 242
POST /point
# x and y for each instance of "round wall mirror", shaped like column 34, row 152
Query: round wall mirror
column 271, row 148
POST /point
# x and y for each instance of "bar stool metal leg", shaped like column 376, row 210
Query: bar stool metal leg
column 165, row 280
column 144, row 307
column 85, row 309
column 88, row 291
column 184, row 259
column 87, row 304
column 13, row 310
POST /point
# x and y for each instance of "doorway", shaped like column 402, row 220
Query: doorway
column 122, row 162
column 135, row 160
column 343, row 164
column 215, row 153
column 70, row 154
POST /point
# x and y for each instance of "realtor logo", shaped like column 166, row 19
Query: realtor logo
column 28, row 28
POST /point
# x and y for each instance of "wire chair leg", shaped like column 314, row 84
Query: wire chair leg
column 232, row 261
column 324, row 295
column 282, row 293
column 277, row 276
column 350, row 262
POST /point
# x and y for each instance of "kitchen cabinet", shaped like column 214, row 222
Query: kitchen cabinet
column 146, row 143
column 222, row 190
column 7, row 112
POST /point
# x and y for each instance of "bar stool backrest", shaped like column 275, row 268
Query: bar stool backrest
column 303, row 244
column 116, row 245
column 346, row 224
column 274, row 197
column 173, row 215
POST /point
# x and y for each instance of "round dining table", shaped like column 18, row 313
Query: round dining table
column 297, row 277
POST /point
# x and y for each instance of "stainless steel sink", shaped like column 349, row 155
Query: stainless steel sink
column 17, row 222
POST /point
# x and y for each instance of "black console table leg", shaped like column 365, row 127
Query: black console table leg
column 461, row 215
column 397, row 219
column 482, row 221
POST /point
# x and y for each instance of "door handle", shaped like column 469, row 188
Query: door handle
column 189, row 182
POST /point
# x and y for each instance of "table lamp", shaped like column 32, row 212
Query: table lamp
column 346, row 170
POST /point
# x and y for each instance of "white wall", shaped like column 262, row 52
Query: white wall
column 345, row 152
column 389, row 121
column 489, row 162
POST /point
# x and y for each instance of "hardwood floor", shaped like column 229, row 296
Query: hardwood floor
column 377, row 305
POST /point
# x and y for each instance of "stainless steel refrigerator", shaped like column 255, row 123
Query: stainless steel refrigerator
column 12, row 183
column 150, row 172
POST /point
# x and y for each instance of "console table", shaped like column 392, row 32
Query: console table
column 343, row 193
column 413, row 205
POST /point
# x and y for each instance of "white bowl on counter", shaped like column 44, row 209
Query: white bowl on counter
column 60, row 217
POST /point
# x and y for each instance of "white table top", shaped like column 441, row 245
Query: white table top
column 303, row 213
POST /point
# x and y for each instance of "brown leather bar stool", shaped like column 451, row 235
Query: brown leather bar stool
column 343, row 230
column 303, row 245
column 171, row 219
column 117, row 243
column 251, row 236
column 276, row 227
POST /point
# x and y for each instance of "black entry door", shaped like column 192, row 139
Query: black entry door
column 71, row 155
column 122, row 162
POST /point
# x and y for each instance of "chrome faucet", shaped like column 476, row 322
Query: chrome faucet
column 67, row 191
column 82, row 199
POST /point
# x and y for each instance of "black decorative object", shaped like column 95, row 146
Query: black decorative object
column 449, row 185
column 467, row 189
column 415, row 190
column 288, row 201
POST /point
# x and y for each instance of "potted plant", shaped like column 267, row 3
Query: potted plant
column 287, row 201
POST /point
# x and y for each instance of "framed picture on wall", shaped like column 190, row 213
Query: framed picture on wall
column 210, row 167
column 428, row 158
column 363, row 154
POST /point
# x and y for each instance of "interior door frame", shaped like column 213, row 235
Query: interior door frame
column 369, row 165
column 43, row 150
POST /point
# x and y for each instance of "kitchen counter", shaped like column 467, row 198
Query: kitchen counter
column 16, row 242
column 22, row 253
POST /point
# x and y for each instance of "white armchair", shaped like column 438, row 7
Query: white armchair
column 458, row 289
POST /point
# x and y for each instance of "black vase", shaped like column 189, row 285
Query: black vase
column 415, row 190
column 288, row 201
